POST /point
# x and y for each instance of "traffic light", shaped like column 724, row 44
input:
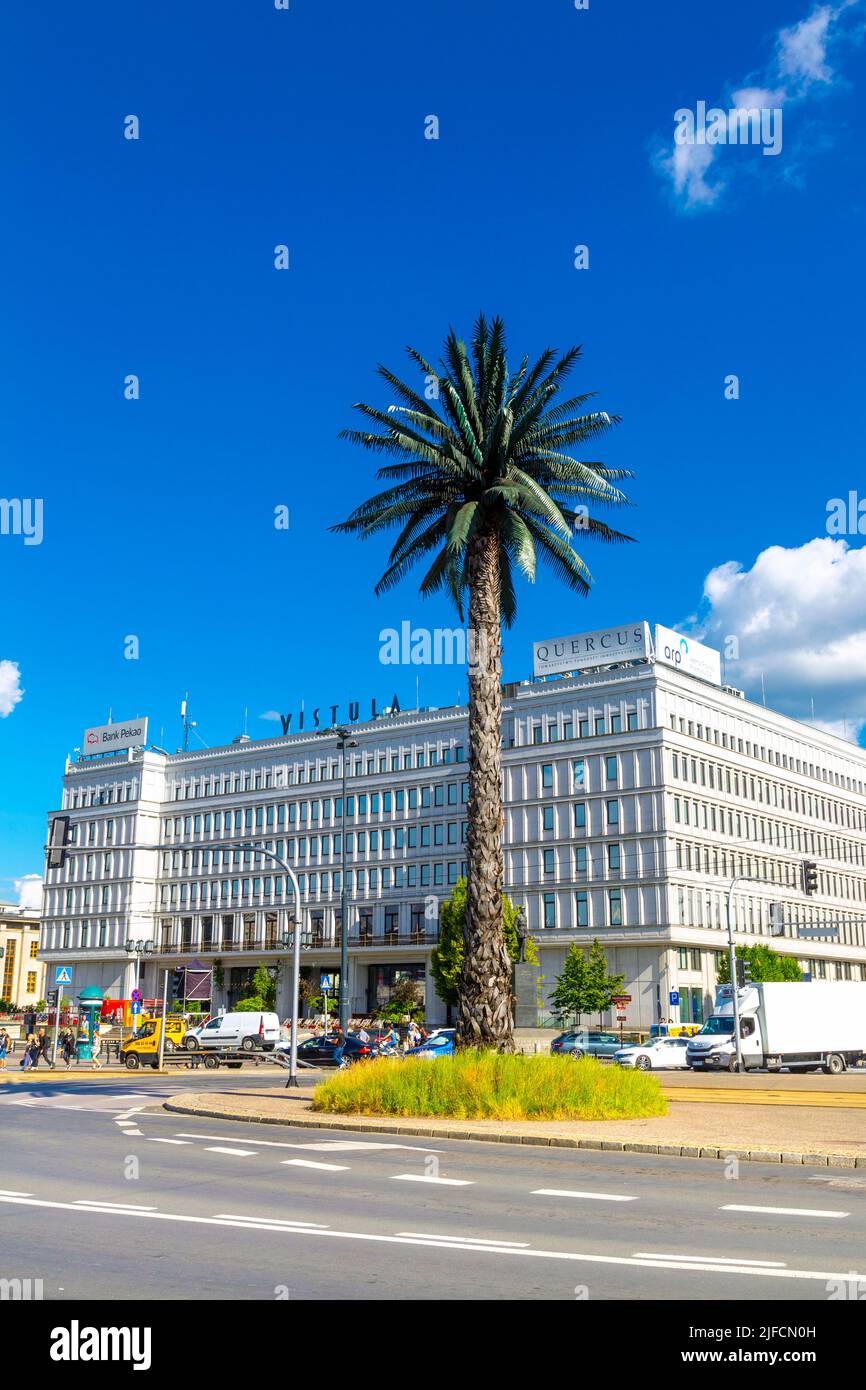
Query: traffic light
column 58, row 839
column 809, row 877
column 744, row 973
column 777, row 919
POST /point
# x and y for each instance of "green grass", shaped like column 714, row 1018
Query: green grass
column 475, row 1085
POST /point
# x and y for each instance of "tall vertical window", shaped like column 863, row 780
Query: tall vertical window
column 614, row 901
column 547, row 775
column 550, row 909
column 582, row 910
column 578, row 769
column 610, row 768
column 613, row 813
column 580, row 815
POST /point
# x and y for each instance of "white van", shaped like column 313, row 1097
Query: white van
column 234, row 1032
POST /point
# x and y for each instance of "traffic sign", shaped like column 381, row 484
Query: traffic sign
column 818, row 933
column 620, row 1018
column 327, row 983
column 63, row 975
column 620, row 998
column 135, row 1006
column 674, row 998
column 51, row 996
column 136, row 996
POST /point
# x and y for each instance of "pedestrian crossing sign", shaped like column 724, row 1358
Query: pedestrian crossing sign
column 63, row 975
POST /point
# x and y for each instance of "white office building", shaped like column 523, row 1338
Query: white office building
column 636, row 787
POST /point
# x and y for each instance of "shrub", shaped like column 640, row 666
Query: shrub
column 483, row 1085
column 254, row 1005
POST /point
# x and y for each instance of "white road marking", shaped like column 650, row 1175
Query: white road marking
column 324, row 1146
column 119, row 1206
column 468, row 1240
column 238, row 1153
column 152, row 1140
column 272, row 1221
column 570, row 1256
column 137, row 1132
column 309, row 1163
column 787, row 1211
column 712, row 1259
column 9, row 1192
column 423, row 1177
column 586, row 1196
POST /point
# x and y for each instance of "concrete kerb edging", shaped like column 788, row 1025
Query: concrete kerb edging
column 343, row 1122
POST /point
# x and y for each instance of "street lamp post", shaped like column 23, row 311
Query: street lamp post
column 344, row 741
column 296, row 958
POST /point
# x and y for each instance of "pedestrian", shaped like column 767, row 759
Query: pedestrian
column 67, row 1046
column 42, row 1041
column 340, row 1044
column 4, row 1048
column 363, row 1035
column 95, row 1049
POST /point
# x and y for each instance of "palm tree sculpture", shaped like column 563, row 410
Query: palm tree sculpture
column 483, row 483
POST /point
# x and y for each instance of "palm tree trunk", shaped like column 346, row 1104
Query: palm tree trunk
column 485, row 1017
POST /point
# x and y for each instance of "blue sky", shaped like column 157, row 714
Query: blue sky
column 260, row 127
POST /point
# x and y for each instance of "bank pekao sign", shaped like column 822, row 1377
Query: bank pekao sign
column 688, row 655
column 109, row 738
column 587, row 649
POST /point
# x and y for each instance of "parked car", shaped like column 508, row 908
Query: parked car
column 660, row 1052
column 236, row 1031
column 320, row 1050
column 579, row 1042
column 439, row 1044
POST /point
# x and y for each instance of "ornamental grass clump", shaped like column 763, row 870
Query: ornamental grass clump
column 486, row 1085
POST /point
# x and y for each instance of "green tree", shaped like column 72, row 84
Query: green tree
column 600, row 986
column 568, row 999
column 765, row 965
column 481, row 484
column 447, row 957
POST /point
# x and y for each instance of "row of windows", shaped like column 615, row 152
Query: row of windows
column 788, row 761
column 323, row 882
column 321, row 846
column 279, row 814
column 556, row 729
column 749, row 787
column 321, row 770
column 764, row 830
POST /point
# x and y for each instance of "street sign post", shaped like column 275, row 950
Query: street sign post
column 62, row 976
column 818, row 933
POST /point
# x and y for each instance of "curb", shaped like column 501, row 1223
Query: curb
column 541, row 1140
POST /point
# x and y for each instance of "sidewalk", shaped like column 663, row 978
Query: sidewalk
column 767, row 1134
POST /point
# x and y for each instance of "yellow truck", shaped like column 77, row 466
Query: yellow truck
column 142, row 1049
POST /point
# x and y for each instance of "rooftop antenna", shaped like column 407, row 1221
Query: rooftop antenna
column 417, row 692
column 812, row 699
column 763, row 692
column 246, row 712
column 109, row 714
column 187, row 722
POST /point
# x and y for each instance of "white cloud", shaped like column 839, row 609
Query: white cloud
column 799, row 64
column 688, row 166
column 802, row 49
column 29, row 890
column 799, row 617
column 271, row 714
column 10, row 687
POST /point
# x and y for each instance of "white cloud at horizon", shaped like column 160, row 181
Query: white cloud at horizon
column 29, row 890
column 10, row 687
column 799, row 617
column 799, row 65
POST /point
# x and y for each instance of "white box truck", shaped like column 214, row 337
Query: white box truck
column 803, row 1026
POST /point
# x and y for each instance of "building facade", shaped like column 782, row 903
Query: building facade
column 22, row 972
column 633, row 795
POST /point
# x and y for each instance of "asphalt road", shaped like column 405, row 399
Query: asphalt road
column 105, row 1195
